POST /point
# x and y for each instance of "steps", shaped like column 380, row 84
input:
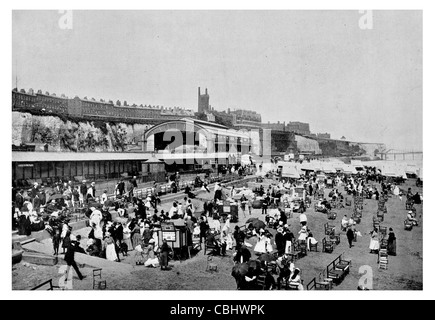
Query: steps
column 39, row 259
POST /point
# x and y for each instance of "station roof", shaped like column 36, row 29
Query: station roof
column 77, row 156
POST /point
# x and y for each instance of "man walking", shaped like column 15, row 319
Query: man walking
column 73, row 247
column 350, row 236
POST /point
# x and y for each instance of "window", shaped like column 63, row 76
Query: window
column 19, row 172
column 59, row 169
column 79, row 168
column 73, row 169
column 36, row 170
column 51, row 171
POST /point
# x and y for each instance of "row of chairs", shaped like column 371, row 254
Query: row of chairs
column 333, row 274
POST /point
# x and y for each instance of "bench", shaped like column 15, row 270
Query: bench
column 338, row 269
column 335, row 274
column 341, row 264
column 51, row 287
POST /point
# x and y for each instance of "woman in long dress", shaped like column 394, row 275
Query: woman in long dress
column 303, row 233
column 109, row 245
column 136, row 238
column 374, row 241
column 151, row 260
column 260, row 247
column 391, row 247
column 126, row 237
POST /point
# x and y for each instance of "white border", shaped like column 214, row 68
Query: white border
column 6, row 29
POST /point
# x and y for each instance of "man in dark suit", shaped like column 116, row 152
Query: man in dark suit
column 19, row 199
column 73, row 247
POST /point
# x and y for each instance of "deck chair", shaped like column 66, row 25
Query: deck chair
column 98, row 282
column 211, row 266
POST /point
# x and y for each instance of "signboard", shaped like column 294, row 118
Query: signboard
column 227, row 209
column 25, row 165
column 169, row 236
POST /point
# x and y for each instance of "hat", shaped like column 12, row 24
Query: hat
column 93, row 183
column 280, row 223
column 147, row 225
column 151, row 241
column 72, row 237
column 280, row 230
column 90, row 242
column 286, row 226
column 54, row 214
column 261, row 230
column 409, row 211
column 83, row 181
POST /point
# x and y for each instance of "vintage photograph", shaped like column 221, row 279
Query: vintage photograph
column 217, row 150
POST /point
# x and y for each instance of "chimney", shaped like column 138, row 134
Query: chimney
column 206, row 91
column 199, row 91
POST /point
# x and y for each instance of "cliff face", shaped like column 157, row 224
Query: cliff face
column 64, row 136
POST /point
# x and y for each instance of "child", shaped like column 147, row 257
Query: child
column 56, row 241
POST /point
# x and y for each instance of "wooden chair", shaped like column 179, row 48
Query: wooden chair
column 261, row 281
column 409, row 205
column 97, row 281
column 332, row 215
column 325, row 281
column 209, row 244
column 408, row 225
column 327, row 246
column 376, row 222
column 329, row 229
column 380, row 216
column 383, row 259
column 383, row 231
column 211, row 266
column 312, row 247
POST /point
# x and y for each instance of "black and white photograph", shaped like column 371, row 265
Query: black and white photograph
column 216, row 150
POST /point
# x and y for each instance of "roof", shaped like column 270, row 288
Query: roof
column 77, row 156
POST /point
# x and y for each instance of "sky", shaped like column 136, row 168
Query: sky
column 318, row 67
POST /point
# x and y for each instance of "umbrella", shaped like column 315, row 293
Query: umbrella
column 55, row 197
column 267, row 257
column 109, row 203
column 259, row 224
column 251, row 220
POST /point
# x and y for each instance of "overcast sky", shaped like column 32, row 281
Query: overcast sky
column 311, row 66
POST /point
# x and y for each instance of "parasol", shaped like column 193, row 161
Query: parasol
column 251, row 220
column 267, row 257
column 259, row 224
column 109, row 203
